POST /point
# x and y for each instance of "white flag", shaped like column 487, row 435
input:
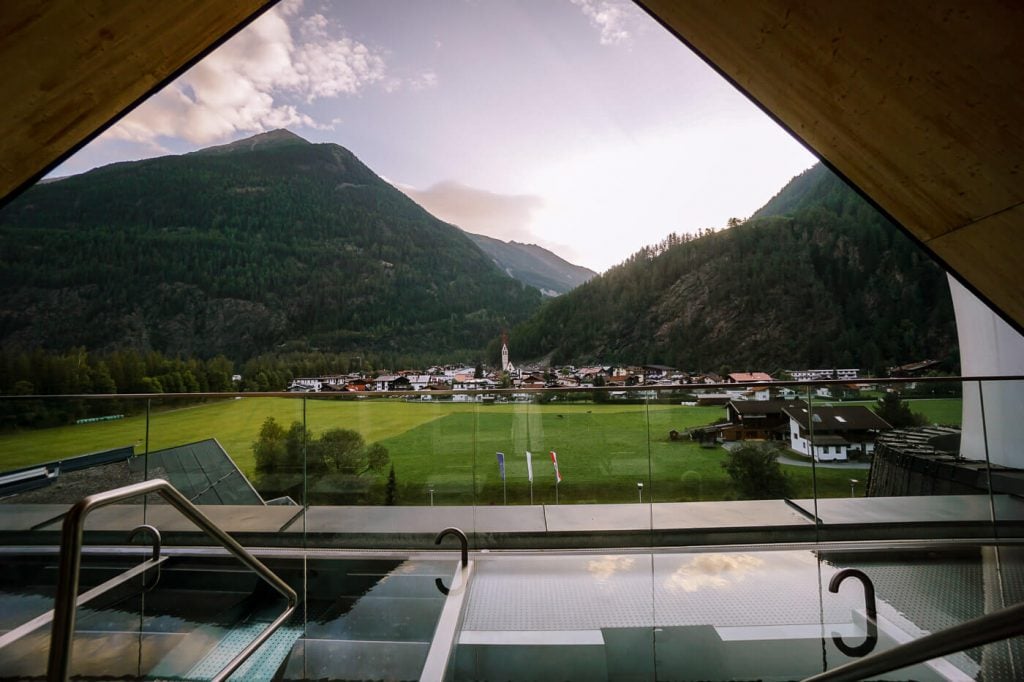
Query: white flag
column 529, row 466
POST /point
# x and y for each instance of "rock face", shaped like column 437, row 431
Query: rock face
column 242, row 249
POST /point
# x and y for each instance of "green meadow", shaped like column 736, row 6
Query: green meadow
column 604, row 450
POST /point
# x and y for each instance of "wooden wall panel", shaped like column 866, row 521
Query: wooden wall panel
column 71, row 66
column 917, row 102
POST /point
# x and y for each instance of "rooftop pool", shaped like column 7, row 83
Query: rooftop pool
column 720, row 613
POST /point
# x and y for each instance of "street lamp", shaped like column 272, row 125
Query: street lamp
column 853, row 482
column 640, row 491
column 431, row 489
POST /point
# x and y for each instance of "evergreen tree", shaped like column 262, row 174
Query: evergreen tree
column 391, row 489
column 897, row 412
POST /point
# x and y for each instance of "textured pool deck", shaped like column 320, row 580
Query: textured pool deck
column 566, row 526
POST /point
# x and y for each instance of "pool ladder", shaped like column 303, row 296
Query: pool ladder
column 464, row 546
column 63, row 629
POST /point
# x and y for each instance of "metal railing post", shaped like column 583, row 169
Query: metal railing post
column 63, row 630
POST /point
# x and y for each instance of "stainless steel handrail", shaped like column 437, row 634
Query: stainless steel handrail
column 31, row 626
column 62, row 632
column 991, row 627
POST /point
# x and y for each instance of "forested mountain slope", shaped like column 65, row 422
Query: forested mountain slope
column 264, row 244
column 534, row 265
column 816, row 278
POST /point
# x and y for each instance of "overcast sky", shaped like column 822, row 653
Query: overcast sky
column 580, row 125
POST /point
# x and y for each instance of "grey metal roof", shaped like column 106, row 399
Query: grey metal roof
column 202, row 471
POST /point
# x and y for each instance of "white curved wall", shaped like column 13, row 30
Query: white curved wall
column 989, row 347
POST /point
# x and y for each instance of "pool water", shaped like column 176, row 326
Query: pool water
column 722, row 615
column 740, row 613
column 364, row 619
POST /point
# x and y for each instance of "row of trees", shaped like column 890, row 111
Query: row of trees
column 78, row 371
column 337, row 467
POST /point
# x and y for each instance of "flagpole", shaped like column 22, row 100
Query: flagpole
column 556, row 492
column 504, row 491
column 529, row 464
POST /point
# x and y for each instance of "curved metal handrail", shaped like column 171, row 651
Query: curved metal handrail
column 62, row 632
column 991, row 627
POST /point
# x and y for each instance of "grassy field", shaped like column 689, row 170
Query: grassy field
column 944, row 411
column 603, row 449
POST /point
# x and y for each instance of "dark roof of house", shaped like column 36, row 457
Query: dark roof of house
column 748, row 408
column 843, row 418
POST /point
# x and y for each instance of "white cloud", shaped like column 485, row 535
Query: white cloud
column 613, row 17
column 715, row 571
column 425, row 81
column 313, row 27
column 241, row 87
column 503, row 216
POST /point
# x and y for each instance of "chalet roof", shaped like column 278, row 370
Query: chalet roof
column 839, row 419
column 764, row 407
column 914, row 366
column 388, row 377
column 741, row 377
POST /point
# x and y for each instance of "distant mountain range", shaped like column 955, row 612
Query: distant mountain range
column 273, row 244
column 816, row 277
column 264, row 244
column 534, row 265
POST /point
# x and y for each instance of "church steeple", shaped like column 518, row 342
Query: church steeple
column 504, row 352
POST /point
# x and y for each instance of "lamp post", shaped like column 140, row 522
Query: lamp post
column 431, row 489
column 853, row 483
column 640, row 491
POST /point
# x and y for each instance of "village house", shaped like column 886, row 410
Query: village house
column 837, row 431
column 532, row 381
column 748, row 377
column 305, row 385
column 758, row 419
column 391, row 382
column 357, row 385
column 818, row 374
column 656, row 373
column 418, row 382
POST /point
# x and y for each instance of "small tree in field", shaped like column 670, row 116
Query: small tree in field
column 756, row 472
column 897, row 412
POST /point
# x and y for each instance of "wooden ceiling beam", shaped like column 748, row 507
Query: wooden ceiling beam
column 918, row 103
column 73, row 67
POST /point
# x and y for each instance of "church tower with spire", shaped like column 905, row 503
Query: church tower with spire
column 505, row 365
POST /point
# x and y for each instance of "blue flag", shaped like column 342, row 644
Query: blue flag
column 501, row 464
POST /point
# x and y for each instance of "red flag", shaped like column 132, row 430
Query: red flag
column 554, row 460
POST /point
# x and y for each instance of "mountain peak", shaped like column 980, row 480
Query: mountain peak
column 273, row 138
